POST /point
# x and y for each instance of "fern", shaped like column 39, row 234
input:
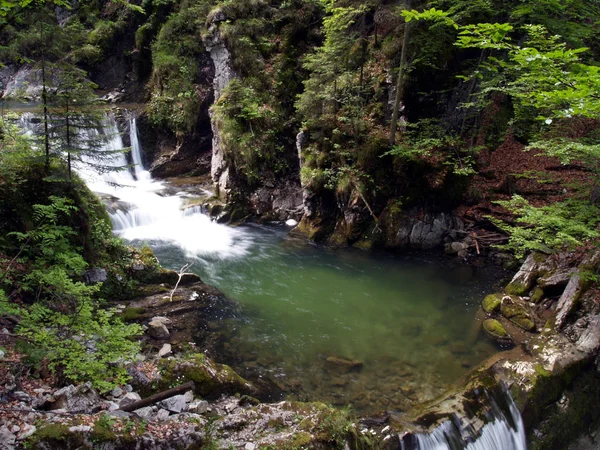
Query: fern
column 548, row 228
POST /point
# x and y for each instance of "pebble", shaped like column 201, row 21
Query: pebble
column 249, row 446
column 2, row 354
column 128, row 388
column 165, row 350
column 130, row 397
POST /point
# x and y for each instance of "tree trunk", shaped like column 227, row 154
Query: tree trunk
column 400, row 81
column 68, row 131
column 45, row 103
column 158, row 397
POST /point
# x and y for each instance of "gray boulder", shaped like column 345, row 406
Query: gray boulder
column 76, row 399
column 174, row 404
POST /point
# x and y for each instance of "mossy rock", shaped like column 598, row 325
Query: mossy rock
column 55, row 435
column 211, row 379
column 516, row 288
column 515, row 311
column 537, row 295
column 171, row 277
column 131, row 314
column 496, row 331
column 491, row 303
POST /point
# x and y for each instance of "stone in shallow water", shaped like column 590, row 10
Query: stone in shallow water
column 495, row 331
column 343, row 364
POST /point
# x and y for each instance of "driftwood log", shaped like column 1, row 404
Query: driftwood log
column 158, row 397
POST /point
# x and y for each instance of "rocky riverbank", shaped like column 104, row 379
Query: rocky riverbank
column 552, row 372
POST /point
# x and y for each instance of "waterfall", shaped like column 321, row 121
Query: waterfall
column 141, row 209
column 140, row 173
column 503, row 431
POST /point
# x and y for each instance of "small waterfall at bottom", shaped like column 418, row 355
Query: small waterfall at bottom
column 503, row 430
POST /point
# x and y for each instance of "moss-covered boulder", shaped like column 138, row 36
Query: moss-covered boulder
column 211, row 380
column 491, row 303
column 514, row 310
column 537, row 295
column 496, row 331
column 524, row 279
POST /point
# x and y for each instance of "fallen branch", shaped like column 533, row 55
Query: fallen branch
column 180, row 274
column 375, row 218
column 474, row 235
column 158, row 397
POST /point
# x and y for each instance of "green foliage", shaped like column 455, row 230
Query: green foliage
column 176, row 95
column 82, row 340
column 248, row 128
column 426, row 140
column 549, row 228
column 432, row 15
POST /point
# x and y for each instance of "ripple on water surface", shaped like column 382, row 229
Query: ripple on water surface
column 377, row 331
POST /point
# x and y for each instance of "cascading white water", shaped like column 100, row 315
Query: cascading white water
column 151, row 216
column 505, row 431
column 144, row 211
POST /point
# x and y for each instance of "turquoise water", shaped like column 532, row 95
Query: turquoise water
column 410, row 320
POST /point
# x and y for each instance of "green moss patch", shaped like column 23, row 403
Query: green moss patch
column 491, row 303
column 516, row 312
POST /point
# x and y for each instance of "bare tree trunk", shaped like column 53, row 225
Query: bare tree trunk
column 68, row 131
column 158, row 397
column 180, row 274
column 45, row 103
column 400, row 81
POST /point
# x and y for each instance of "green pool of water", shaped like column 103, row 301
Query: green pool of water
column 410, row 320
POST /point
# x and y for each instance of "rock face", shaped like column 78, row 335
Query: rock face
column 24, row 83
column 427, row 232
column 278, row 203
column 221, row 58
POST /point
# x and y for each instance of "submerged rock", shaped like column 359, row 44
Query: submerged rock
column 496, row 331
column 343, row 364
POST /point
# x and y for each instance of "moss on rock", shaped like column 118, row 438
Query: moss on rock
column 537, row 295
column 515, row 311
column 516, row 288
column 491, row 303
column 211, row 379
column 496, row 331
